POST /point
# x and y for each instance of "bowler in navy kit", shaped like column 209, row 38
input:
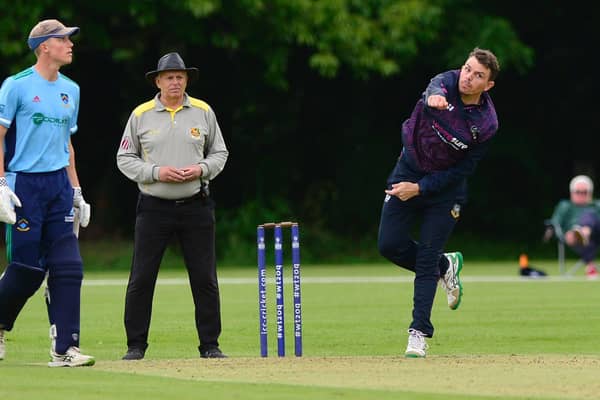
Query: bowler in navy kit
column 40, row 193
column 445, row 137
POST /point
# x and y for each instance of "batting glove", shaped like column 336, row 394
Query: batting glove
column 8, row 201
column 84, row 208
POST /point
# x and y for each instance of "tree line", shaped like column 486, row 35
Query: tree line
column 310, row 96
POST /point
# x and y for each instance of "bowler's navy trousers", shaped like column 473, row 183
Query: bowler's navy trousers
column 437, row 215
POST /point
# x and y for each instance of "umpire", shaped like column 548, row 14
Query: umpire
column 172, row 147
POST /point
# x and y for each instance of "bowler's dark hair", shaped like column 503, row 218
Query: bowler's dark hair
column 487, row 59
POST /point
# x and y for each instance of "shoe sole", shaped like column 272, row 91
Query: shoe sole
column 413, row 355
column 460, row 286
column 88, row 363
column 133, row 357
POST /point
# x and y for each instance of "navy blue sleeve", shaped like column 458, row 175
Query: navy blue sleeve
column 439, row 84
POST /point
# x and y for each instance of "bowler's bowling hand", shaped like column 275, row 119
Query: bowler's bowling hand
column 437, row 101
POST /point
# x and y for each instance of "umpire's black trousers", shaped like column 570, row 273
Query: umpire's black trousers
column 192, row 222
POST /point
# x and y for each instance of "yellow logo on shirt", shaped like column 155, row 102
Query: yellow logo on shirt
column 455, row 212
column 195, row 132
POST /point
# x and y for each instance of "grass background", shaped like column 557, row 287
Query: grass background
column 512, row 338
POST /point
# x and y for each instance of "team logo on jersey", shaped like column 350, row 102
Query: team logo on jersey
column 195, row 132
column 22, row 225
column 65, row 98
column 36, row 99
column 455, row 212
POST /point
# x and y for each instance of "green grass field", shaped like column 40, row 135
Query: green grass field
column 512, row 338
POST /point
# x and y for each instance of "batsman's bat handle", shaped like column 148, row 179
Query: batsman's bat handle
column 76, row 221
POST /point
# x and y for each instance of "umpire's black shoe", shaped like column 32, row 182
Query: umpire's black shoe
column 134, row 354
column 212, row 352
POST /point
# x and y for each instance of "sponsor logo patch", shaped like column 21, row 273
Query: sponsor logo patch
column 39, row 118
column 447, row 138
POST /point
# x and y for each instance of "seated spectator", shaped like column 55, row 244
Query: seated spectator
column 579, row 220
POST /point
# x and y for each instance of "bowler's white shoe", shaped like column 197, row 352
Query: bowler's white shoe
column 2, row 345
column 416, row 344
column 450, row 281
column 72, row 358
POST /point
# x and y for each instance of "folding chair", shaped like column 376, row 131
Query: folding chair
column 558, row 234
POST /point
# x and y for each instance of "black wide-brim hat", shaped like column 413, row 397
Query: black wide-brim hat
column 172, row 62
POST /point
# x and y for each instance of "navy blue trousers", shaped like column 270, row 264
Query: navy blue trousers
column 422, row 256
column 588, row 253
column 46, row 215
column 43, row 238
column 431, row 220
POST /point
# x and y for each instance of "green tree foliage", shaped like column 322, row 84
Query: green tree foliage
column 369, row 37
column 310, row 94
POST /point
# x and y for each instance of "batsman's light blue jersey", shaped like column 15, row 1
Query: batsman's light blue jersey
column 40, row 116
